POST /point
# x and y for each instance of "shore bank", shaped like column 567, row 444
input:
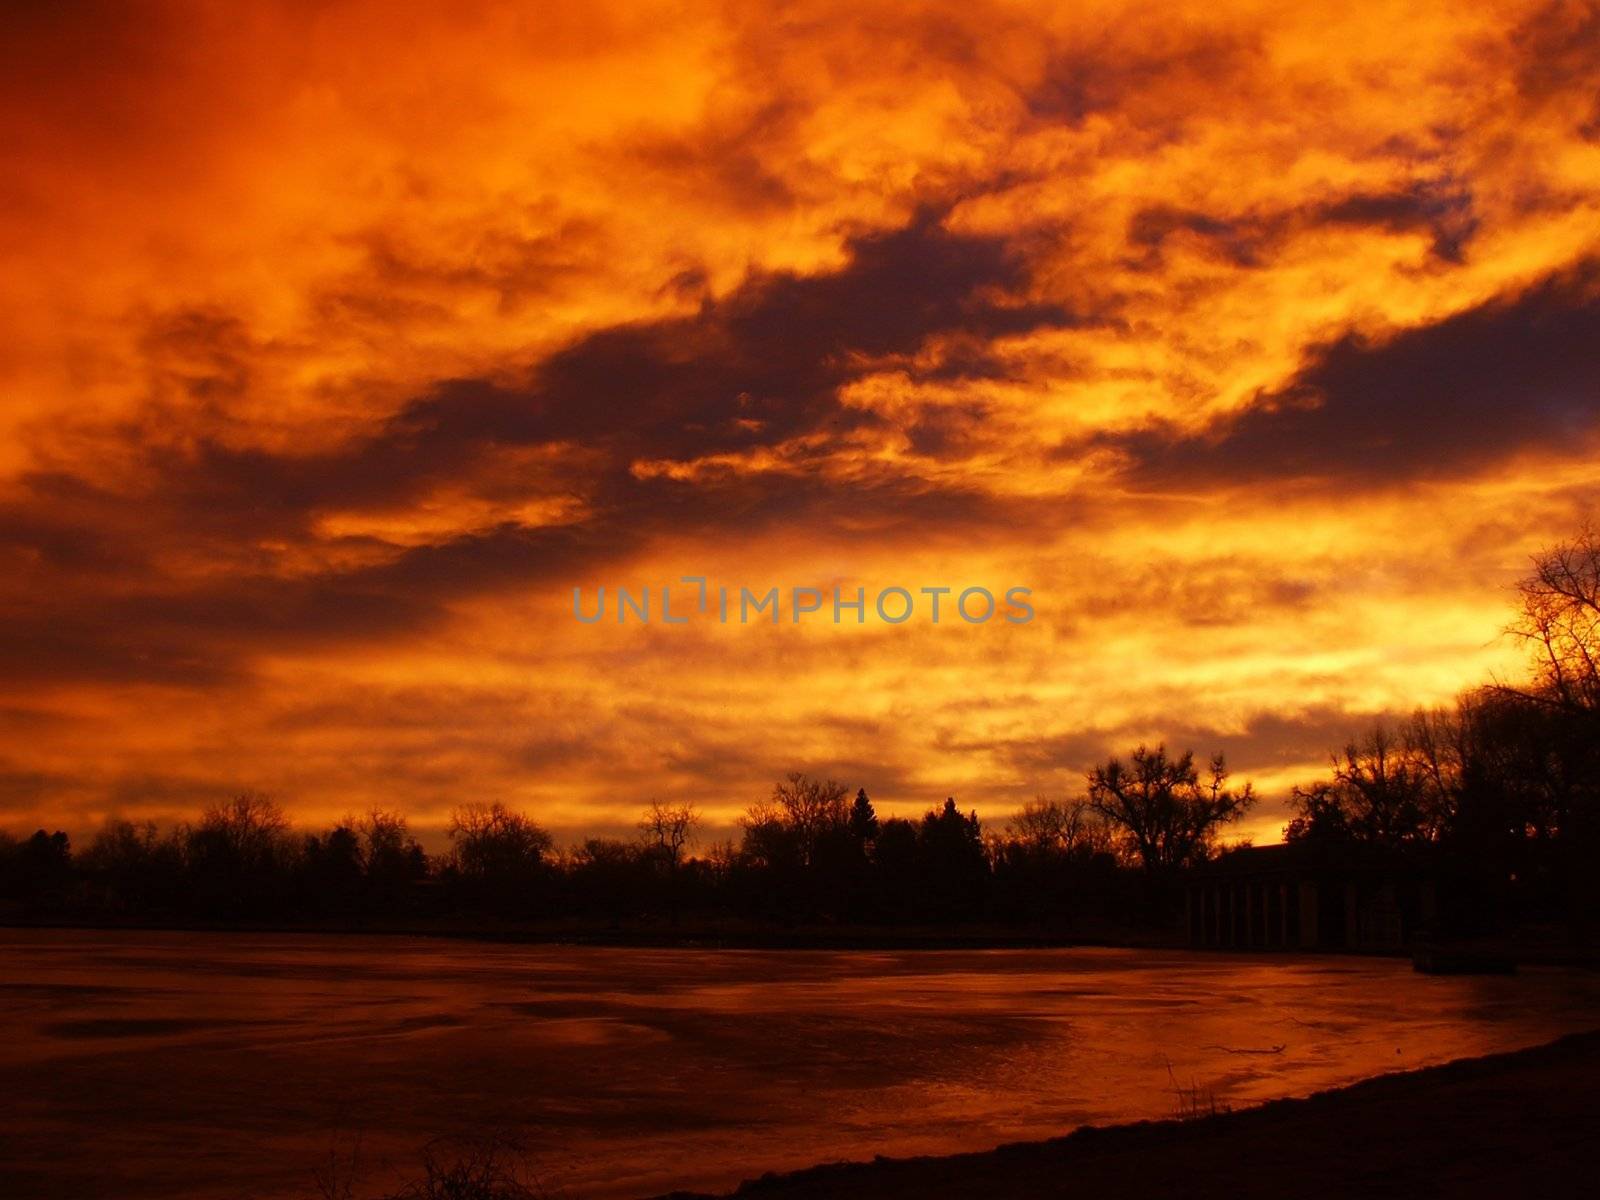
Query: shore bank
column 690, row 935
column 1519, row 1124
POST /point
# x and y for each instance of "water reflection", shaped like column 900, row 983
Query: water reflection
column 197, row 1065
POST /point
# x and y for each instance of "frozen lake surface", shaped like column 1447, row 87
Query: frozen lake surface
column 209, row 1065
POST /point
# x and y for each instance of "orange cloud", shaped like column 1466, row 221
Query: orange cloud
column 1253, row 339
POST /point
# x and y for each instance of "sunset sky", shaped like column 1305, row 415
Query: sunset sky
column 342, row 340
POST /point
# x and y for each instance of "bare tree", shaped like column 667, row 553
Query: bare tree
column 668, row 829
column 1066, row 827
column 249, row 828
column 1440, row 741
column 1389, row 787
column 488, row 1166
column 490, row 840
column 808, row 808
column 1560, row 622
column 122, row 845
column 1169, row 816
column 135, row 861
column 1040, row 824
column 385, row 838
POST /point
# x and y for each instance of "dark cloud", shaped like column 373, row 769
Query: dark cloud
column 1269, row 741
column 1238, row 241
column 1559, row 47
column 399, row 280
column 725, row 160
column 765, row 364
column 30, row 535
column 1120, row 74
column 1438, row 402
column 1441, row 208
column 204, row 354
column 753, row 370
column 201, row 633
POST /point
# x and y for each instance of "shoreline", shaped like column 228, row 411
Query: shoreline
column 687, row 937
column 1540, row 951
column 1523, row 1122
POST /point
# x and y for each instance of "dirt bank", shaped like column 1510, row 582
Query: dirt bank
column 1522, row 1124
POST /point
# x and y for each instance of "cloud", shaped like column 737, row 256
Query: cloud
column 1445, row 400
column 1252, row 340
column 759, row 368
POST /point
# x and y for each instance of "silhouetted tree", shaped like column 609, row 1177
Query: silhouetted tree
column 863, row 819
column 609, row 877
column 795, row 845
column 239, row 857
column 667, row 829
column 808, row 808
column 393, row 864
column 330, row 870
column 1169, row 816
column 499, row 855
column 897, row 870
column 1560, row 622
column 37, row 870
column 1061, row 829
column 953, row 863
column 1055, row 862
column 850, row 861
column 1388, row 789
column 248, row 829
column 490, row 839
column 134, row 867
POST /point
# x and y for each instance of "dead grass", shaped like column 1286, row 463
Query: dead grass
column 494, row 1166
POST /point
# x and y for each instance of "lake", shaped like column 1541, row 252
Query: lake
column 207, row 1065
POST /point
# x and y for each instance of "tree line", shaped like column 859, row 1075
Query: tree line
column 1500, row 790
column 810, row 851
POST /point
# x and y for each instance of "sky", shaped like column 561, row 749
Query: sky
column 344, row 340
